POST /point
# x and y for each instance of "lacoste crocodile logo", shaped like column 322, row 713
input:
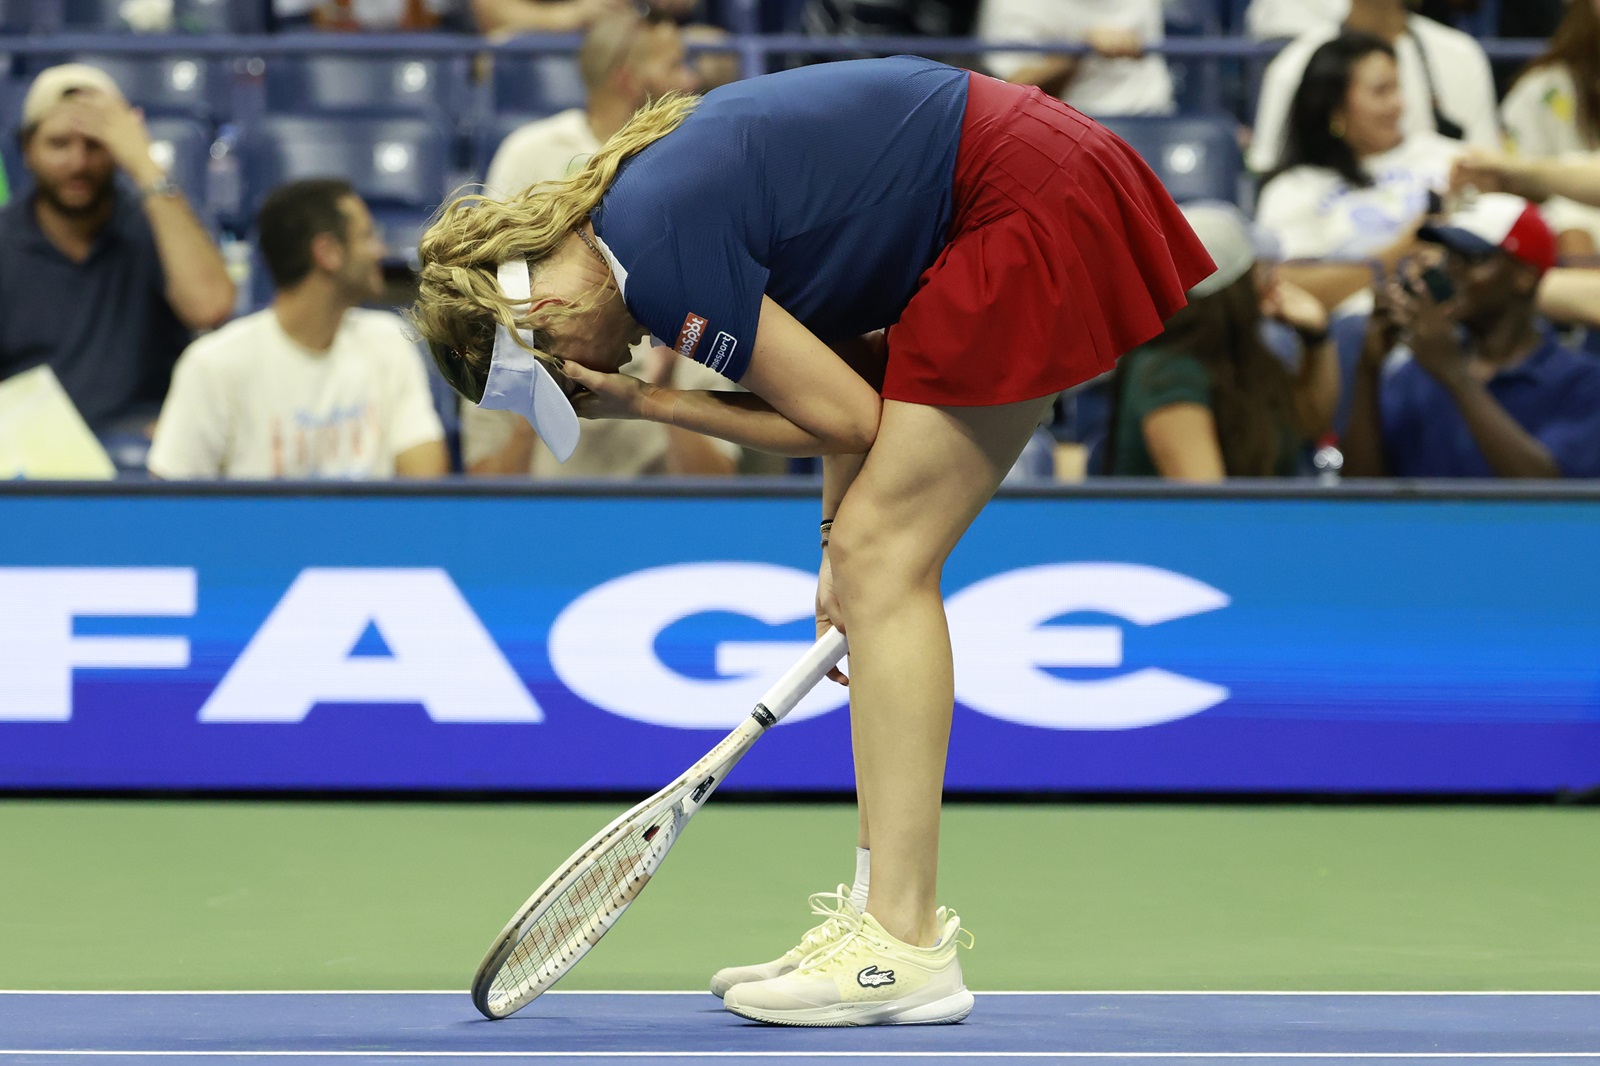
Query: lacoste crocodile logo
column 872, row 977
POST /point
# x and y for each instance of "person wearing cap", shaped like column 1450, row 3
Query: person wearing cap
column 1208, row 398
column 772, row 230
column 315, row 386
column 1480, row 389
column 1568, row 293
column 102, row 277
column 626, row 62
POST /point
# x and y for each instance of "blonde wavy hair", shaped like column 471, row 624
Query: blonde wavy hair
column 459, row 302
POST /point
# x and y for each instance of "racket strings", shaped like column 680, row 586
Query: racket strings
column 582, row 910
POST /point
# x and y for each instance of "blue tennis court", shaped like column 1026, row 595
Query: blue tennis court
column 630, row 1027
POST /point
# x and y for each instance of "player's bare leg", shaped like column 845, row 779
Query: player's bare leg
column 928, row 475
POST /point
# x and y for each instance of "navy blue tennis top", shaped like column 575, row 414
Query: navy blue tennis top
column 827, row 188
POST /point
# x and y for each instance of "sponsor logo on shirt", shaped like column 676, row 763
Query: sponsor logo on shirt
column 721, row 351
column 694, row 328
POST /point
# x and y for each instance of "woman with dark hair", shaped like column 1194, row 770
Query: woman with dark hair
column 1553, row 110
column 1352, row 188
column 1208, row 399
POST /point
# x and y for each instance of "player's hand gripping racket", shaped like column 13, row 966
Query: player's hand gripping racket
column 585, row 897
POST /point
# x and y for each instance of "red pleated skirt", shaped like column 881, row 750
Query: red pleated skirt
column 1065, row 251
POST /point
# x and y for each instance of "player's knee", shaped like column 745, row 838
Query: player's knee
column 876, row 567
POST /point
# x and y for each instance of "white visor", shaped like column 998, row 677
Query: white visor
column 519, row 382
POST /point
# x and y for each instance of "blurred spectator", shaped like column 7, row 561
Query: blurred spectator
column 1570, row 294
column 1553, row 110
column 375, row 15
column 313, row 386
column 1516, row 18
column 1479, row 389
column 1208, row 399
column 1267, row 20
column 1352, row 187
column 1272, row 20
column 1117, row 76
column 897, row 18
column 1445, row 81
column 505, row 18
column 101, row 277
column 625, row 61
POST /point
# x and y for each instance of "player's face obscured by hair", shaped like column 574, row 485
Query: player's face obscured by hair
column 71, row 172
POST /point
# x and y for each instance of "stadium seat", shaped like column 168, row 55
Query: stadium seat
column 1196, row 82
column 1197, row 157
column 400, row 166
column 183, row 147
column 188, row 16
column 366, row 85
column 164, row 86
column 16, row 16
column 537, row 85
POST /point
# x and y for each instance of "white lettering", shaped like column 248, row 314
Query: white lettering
column 1002, row 645
column 603, row 646
column 441, row 655
column 38, row 650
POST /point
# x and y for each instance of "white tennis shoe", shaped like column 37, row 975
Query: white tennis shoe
column 866, row 977
column 839, row 916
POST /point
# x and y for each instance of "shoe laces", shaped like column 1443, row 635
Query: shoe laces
column 862, row 932
column 839, row 916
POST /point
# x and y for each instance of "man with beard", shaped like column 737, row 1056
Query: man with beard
column 102, row 275
column 315, row 386
column 1486, row 390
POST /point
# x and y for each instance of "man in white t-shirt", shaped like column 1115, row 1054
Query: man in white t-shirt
column 1439, row 67
column 625, row 61
column 314, row 386
column 1116, row 77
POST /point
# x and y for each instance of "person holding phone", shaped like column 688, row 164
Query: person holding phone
column 1458, row 376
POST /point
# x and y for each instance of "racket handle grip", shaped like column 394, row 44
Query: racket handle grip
column 801, row 678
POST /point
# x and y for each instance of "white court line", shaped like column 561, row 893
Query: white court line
column 1313, row 1055
column 703, row 992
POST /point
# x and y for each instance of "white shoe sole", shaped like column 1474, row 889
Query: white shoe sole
column 944, row 1011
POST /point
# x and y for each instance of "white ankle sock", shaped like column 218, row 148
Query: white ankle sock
column 858, row 891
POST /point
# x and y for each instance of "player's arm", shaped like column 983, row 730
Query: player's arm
column 803, row 398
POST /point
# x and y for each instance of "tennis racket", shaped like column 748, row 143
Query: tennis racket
column 583, row 899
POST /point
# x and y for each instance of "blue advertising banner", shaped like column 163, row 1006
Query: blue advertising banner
column 434, row 641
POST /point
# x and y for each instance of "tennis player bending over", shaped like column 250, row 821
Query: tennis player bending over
column 1011, row 248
